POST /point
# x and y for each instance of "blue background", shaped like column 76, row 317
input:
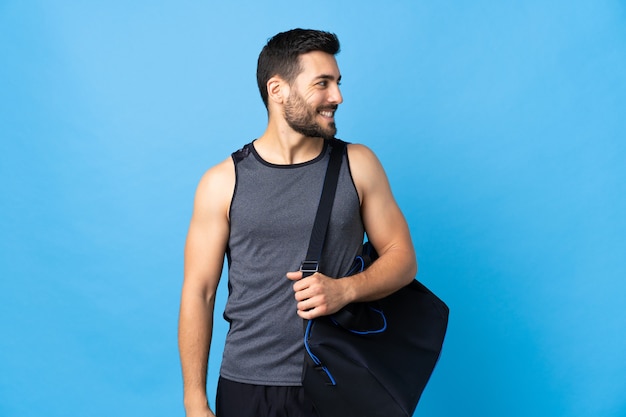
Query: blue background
column 501, row 126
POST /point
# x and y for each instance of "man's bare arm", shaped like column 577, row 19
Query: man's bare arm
column 204, row 257
column 386, row 229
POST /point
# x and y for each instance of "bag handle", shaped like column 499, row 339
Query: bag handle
column 318, row 235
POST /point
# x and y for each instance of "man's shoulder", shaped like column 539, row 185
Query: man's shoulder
column 360, row 154
column 223, row 173
column 218, row 178
column 365, row 168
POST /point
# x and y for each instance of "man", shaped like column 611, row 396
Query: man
column 258, row 208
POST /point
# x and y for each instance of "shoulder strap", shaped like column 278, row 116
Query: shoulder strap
column 318, row 235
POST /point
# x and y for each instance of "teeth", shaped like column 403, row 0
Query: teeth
column 327, row 113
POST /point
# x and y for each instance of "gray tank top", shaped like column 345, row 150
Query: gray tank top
column 271, row 218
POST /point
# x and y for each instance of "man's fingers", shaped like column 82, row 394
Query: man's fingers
column 312, row 313
column 294, row 276
column 307, row 287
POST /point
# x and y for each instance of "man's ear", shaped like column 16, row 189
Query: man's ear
column 277, row 90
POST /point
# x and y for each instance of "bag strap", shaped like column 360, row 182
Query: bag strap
column 318, row 235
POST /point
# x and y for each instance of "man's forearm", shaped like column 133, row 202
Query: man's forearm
column 393, row 270
column 194, row 341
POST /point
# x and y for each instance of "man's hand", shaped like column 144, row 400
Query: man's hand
column 319, row 295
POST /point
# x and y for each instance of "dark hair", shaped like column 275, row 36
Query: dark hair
column 281, row 54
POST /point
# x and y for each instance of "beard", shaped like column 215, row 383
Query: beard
column 301, row 118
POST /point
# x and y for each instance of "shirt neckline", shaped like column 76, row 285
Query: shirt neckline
column 318, row 158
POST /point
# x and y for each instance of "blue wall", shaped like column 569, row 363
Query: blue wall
column 501, row 125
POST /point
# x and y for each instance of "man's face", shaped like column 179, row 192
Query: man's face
column 314, row 96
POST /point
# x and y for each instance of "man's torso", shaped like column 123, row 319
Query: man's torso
column 271, row 217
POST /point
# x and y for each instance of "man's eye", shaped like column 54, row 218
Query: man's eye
column 323, row 83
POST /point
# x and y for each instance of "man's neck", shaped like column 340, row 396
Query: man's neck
column 282, row 145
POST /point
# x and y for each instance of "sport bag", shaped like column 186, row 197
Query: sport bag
column 374, row 359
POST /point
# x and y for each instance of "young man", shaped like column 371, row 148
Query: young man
column 257, row 208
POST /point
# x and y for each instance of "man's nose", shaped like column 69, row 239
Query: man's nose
column 335, row 96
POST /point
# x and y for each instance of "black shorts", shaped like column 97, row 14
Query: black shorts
column 235, row 399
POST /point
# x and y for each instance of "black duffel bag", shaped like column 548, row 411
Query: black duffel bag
column 374, row 359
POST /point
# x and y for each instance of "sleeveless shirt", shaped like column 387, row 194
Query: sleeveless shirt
column 271, row 217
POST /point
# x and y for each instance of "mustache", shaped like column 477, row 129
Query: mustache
column 333, row 107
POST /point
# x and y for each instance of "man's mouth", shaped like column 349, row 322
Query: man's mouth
column 328, row 113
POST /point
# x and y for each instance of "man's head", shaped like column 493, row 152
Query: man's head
column 281, row 56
